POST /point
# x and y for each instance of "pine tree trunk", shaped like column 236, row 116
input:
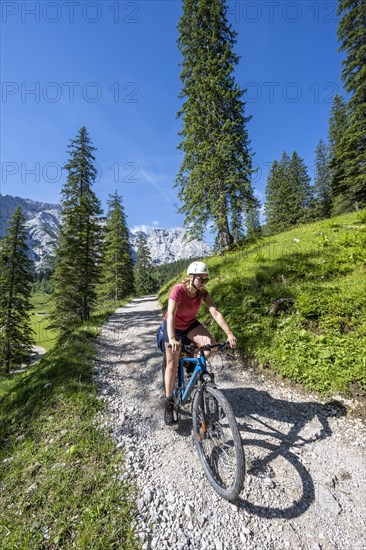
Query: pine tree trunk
column 224, row 237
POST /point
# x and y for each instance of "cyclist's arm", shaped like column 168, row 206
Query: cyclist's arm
column 170, row 323
column 220, row 320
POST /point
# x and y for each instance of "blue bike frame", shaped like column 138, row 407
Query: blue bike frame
column 200, row 369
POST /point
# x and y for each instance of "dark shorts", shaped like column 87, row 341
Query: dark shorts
column 179, row 334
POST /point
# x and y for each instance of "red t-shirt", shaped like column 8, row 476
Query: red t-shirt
column 187, row 307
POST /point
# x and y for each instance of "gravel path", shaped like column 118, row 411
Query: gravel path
column 305, row 482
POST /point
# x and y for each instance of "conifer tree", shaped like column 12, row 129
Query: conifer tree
column 289, row 197
column 16, row 335
column 252, row 222
column 323, row 203
column 276, row 205
column 300, row 198
column 236, row 228
column 338, row 122
column 214, row 177
column 80, row 238
column 352, row 35
column 245, row 219
column 117, row 280
column 143, row 270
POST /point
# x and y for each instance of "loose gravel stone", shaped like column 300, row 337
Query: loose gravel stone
column 305, row 480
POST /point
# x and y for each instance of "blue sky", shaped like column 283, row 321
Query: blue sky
column 113, row 66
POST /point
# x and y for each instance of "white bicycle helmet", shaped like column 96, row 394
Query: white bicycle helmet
column 197, row 268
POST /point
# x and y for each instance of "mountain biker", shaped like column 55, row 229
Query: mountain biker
column 181, row 320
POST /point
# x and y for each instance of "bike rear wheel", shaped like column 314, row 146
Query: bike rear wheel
column 218, row 442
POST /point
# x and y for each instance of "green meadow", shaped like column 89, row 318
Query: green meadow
column 43, row 335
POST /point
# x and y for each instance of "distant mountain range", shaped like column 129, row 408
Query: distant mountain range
column 43, row 220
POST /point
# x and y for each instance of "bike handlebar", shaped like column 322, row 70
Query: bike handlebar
column 189, row 348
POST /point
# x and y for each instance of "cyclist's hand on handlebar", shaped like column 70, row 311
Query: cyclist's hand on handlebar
column 174, row 344
column 231, row 339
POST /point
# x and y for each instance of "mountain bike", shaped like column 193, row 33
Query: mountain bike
column 214, row 429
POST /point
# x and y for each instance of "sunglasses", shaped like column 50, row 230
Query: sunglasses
column 202, row 281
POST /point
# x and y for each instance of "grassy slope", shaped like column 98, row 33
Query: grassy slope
column 59, row 471
column 320, row 339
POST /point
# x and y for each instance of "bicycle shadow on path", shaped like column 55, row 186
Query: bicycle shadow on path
column 271, row 431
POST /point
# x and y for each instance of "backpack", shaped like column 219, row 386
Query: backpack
column 160, row 338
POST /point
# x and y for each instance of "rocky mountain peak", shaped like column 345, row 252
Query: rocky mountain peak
column 43, row 220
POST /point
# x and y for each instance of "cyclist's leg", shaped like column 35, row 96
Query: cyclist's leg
column 172, row 360
column 200, row 335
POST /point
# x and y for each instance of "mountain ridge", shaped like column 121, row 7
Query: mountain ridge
column 43, row 220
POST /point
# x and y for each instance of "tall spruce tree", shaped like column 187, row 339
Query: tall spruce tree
column 352, row 35
column 214, row 177
column 143, row 270
column 323, row 202
column 338, row 122
column 117, row 280
column 80, row 238
column 16, row 335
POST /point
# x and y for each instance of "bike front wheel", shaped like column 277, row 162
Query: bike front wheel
column 218, row 442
